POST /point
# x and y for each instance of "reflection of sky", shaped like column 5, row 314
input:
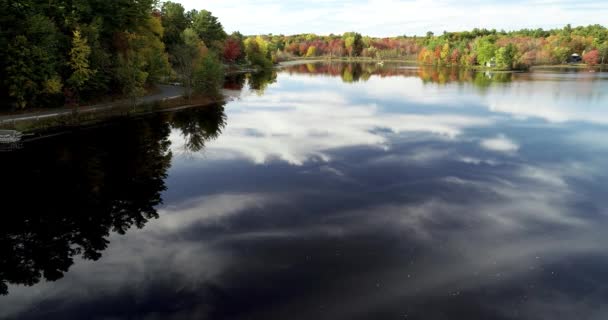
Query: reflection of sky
column 301, row 117
column 333, row 201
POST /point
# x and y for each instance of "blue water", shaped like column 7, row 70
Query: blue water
column 323, row 192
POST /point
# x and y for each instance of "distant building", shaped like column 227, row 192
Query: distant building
column 491, row 63
column 575, row 58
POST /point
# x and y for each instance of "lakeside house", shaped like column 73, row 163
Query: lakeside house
column 575, row 58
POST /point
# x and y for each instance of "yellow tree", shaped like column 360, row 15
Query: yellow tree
column 445, row 53
column 79, row 62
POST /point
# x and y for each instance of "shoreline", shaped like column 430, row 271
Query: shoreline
column 304, row 60
column 168, row 98
column 162, row 97
column 32, row 123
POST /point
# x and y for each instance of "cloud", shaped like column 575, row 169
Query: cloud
column 500, row 144
column 553, row 98
column 206, row 210
column 397, row 17
column 304, row 124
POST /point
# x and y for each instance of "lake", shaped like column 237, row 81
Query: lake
column 322, row 191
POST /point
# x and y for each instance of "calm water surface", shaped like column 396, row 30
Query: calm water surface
column 322, row 192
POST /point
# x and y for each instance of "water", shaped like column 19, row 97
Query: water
column 322, row 192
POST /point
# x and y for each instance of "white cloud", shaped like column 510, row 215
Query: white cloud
column 500, row 144
column 552, row 99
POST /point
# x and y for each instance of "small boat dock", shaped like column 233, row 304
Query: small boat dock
column 10, row 136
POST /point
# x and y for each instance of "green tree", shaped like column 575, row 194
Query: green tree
column 256, row 50
column 174, row 22
column 131, row 75
column 485, row 50
column 20, row 72
column 209, row 29
column 209, row 76
column 561, row 54
column 603, row 51
column 354, row 43
column 505, row 56
column 187, row 58
column 152, row 50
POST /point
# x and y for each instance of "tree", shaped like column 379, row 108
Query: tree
column 505, row 56
column 561, row 54
column 187, row 58
column 592, row 57
column 130, row 71
column 152, row 50
column 312, row 51
column 209, row 76
column 209, row 29
column 354, row 43
column 445, row 53
column 257, row 52
column 455, row 57
column 19, row 72
column 485, row 50
column 32, row 62
column 232, row 50
column 131, row 77
column 174, row 22
column 79, row 62
column 603, row 51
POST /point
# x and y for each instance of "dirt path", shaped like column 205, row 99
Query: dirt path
column 166, row 93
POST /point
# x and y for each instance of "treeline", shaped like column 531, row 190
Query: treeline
column 348, row 45
column 506, row 50
column 70, row 52
column 518, row 49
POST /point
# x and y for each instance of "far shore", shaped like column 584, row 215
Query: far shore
column 304, row 60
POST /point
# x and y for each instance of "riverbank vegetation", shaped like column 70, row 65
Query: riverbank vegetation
column 518, row 49
column 477, row 48
column 75, row 52
column 350, row 45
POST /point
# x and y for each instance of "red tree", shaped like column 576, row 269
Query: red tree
column 304, row 48
column 455, row 56
column 232, row 50
column 592, row 57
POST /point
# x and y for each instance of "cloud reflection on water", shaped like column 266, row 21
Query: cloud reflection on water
column 317, row 203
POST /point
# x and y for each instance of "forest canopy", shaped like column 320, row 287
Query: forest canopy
column 70, row 52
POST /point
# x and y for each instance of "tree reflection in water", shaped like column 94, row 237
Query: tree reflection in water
column 355, row 72
column 71, row 191
column 259, row 81
column 199, row 125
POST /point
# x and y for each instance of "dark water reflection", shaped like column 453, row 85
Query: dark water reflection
column 323, row 192
column 63, row 196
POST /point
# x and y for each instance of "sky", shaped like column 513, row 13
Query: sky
column 397, row 17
